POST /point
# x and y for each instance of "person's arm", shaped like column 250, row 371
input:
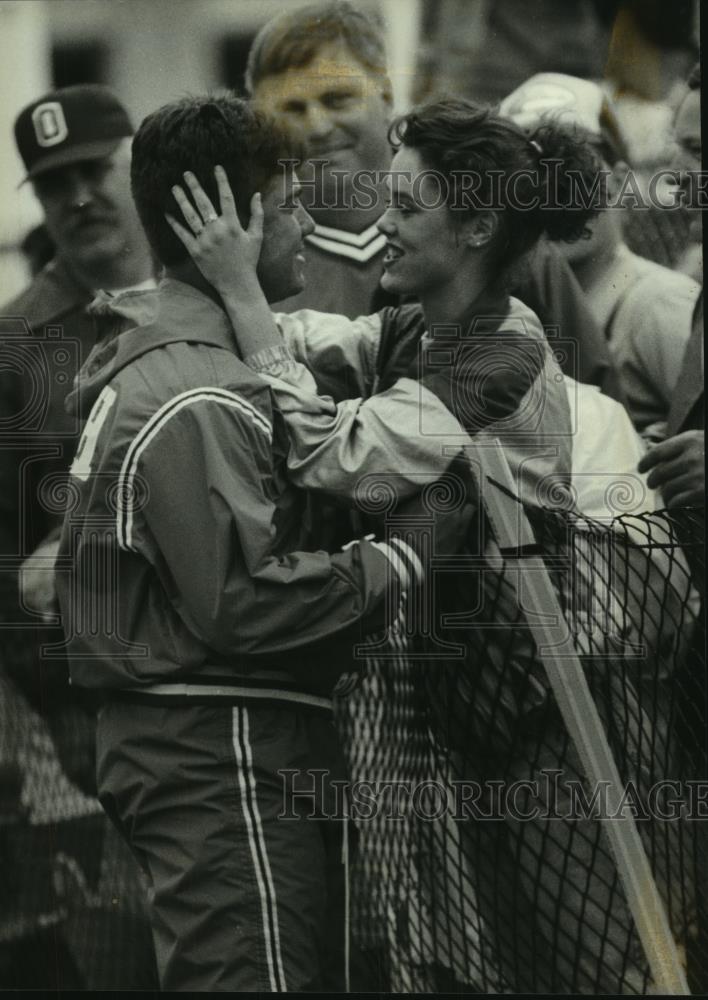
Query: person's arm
column 37, row 585
column 409, row 428
column 26, row 585
column 650, row 350
column 677, row 467
column 331, row 344
column 644, row 380
column 406, row 433
column 209, row 527
column 416, row 427
column 344, row 350
column 12, row 452
column 549, row 287
column 215, row 243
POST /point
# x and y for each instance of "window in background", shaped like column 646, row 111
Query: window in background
column 79, row 62
column 232, row 60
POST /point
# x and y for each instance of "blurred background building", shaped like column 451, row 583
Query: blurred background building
column 151, row 51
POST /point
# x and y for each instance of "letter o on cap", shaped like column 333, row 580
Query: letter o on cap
column 49, row 124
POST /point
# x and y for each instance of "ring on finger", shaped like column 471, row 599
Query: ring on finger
column 212, row 217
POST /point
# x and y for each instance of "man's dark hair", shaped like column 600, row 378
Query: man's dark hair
column 197, row 133
column 694, row 79
column 293, row 40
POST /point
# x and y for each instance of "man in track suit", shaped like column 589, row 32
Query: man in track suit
column 190, row 600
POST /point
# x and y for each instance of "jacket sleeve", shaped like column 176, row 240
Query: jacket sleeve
column 650, row 352
column 549, row 287
column 44, row 681
column 11, row 456
column 417, row 426
column 340, row 352
column 343, row 448
column 210, row 528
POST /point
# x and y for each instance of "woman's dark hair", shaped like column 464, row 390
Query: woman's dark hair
column 197, row 133
column 541, row 182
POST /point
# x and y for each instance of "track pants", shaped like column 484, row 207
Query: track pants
column 241, row 899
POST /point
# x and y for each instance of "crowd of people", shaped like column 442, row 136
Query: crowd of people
column 242, row 314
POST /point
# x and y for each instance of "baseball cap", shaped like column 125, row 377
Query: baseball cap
column 83, row 122
column 564, row 100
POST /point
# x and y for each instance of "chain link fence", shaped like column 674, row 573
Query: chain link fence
column 483, row 863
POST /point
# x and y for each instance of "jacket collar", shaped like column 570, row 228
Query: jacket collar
column 54, row 292
column 483, row 316
column 179, row 314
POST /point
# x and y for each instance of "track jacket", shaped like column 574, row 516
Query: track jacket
column 409, row 399
column 420, row 396
column 179, row 568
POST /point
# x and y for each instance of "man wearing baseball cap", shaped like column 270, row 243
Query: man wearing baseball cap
column 75, row 145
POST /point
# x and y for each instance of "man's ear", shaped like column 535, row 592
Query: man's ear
column 480, row 229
